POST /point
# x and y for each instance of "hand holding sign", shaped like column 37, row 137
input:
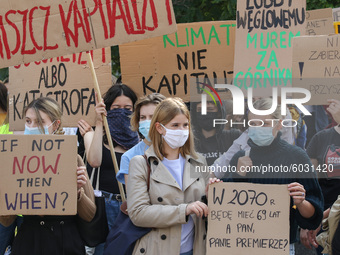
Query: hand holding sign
column 211, row 181
column 84, row 127
column 297, row 192
column 81, row 177
column 100, row 109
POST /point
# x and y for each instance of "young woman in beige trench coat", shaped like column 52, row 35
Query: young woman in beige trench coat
column 173, row 206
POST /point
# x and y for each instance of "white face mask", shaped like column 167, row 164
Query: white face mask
column 175, row 138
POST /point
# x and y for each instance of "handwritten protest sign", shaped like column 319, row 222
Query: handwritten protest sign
column 319, row 22
column 167, row 64
column 42, row 29
column 242, row 216
column 263, row 54
column 316, row 66
column 38, row 175
column 66, row 79
column 336, row 14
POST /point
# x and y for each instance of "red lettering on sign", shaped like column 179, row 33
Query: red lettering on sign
column 87, row 23
column 135, row 11
column 18, row 40
column 103, row 56
column 16, row 163
column 24, row 25
column 65, row 22
column 35, row 165
column 79, row 23
column 48, row 11
column 63, row 59
column 31, row 28
column 46, row 168
column 4, row 38
column 112, row 15
column 168, row 10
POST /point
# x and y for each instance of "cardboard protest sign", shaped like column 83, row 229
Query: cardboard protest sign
column 248, row 218
column 336, row 14
column 42, row 29
column 38, row 175
column 319, row 22
column 264, row 33
column 66, row 79
column 316, row 66
column 167, row 64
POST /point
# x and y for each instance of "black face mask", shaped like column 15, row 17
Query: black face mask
column 206, row 122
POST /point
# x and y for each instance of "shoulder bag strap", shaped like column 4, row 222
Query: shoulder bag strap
column 123, row 207
column 149, row 170
column 92, row 173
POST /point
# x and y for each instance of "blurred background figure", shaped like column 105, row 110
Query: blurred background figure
column 211, row 141
column 4, row 125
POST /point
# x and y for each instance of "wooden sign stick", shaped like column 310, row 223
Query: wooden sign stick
column 106, row 126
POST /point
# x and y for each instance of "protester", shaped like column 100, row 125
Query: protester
column 241, row 143
column 315, row 122
column 211, row 141
column 231, row 118
column 117, row 105
column 324, row 152
column 268, row 149
column 6, row 233
column 173, row 206
column 52, row 234
column 140, row 121
column 4, row 126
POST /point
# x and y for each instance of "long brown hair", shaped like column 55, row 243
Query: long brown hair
column 164, row 113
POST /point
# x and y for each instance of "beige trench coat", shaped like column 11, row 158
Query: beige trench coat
column 163, row 207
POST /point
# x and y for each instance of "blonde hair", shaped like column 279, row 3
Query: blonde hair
column 164, row 113
column 48, row 106
column 154, row 98
column 266, row 104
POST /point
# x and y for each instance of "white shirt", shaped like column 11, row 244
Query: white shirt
column 176, row 168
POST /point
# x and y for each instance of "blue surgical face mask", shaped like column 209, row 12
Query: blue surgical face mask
column 36, row 130
column 144, row 127
column 261, row 136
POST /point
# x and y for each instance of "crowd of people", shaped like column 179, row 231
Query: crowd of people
column 173, row 199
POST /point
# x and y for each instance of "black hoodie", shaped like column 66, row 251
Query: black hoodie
column 212, row 147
